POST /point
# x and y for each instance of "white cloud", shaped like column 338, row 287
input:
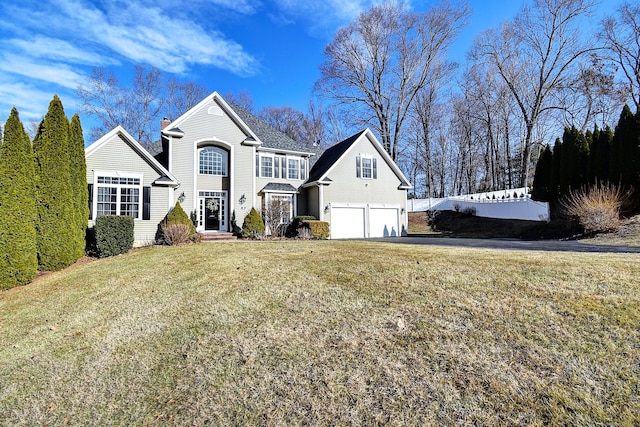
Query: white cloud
column 60, row 74
column 31, row 102
column 61, row 50
column 325, row 16
column 246, row 7
column 150, row 35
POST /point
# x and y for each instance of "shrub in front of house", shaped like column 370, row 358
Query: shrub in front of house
column 113, row 234
column 319, row 229
column 176, row 234
column 170, row 234
column 253, row 225
column 297, row 229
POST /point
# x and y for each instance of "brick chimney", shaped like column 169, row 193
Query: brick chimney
column 164, row 123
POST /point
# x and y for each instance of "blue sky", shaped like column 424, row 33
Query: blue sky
column 270, row 48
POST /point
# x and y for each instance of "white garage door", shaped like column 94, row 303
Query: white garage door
column 383, row 222
column 347, row 223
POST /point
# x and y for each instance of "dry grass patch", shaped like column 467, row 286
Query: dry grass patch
column 325, row 333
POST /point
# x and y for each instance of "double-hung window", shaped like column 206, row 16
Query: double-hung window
column 366, row 167
column 118, row 195
column 293, row 168
column 266, row 166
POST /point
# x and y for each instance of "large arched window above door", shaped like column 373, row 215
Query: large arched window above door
column 213, row 161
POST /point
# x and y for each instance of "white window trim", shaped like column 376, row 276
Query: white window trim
column 362, row 158
column 298, row 160
column 282, row 168
column 117, row 174
column 293, row 208
column 225, row 159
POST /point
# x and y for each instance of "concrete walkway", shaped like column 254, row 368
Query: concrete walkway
column 512, row 244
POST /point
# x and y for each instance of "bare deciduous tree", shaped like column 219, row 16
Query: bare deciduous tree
column 621, row 35
column 136, row 108
column 276, row 214
column 377, row 65
column 182, row 96
column 534, row 55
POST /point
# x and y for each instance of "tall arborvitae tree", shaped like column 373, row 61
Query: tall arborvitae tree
column 622, row 134
column 556, row 171
column 542, row 180
column 18, row 259
column 600, row 156
column 54, row 198
column 630, row 159
column 78, row 175
column 575, row 152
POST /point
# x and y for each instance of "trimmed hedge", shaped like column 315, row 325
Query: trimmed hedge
column 319, row 229
column 114, row 235
column 296, row 228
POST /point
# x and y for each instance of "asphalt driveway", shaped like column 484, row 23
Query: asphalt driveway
column 512, row 244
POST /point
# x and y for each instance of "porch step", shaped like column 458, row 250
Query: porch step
column 216, row 236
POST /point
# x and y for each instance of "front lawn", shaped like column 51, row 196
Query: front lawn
column 325, row 333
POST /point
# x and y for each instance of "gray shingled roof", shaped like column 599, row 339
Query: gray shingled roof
column 270, row 136
column 154, row 148
column 278, row 187
column 330, row 156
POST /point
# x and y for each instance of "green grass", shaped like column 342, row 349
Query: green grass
column 325, row 333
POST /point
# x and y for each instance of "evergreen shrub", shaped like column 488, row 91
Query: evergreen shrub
column 253, row 225
column 114, row 235
column 176, row 216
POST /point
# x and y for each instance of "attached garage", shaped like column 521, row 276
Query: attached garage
column 358, row 222
column 383, row 222
column 347, row 223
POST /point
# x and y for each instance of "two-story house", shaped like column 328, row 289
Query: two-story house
column 219, row 160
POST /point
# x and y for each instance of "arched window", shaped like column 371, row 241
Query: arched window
column 213, row 161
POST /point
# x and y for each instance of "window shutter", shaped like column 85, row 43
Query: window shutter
column 303, row 168
column 284, row 167
column 90, row 189
column 276, row 168
column 375, row 168
column 358, row 167
column 146, row 203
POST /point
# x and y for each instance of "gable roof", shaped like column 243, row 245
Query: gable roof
column 165, row 178
column 332, row 155
column 174, row 130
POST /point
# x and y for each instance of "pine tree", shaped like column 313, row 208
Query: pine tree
column 54, row 197
column 542, row 179
column 18, row 255
column 78, row 172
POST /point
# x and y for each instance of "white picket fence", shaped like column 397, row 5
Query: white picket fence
column 515, row 203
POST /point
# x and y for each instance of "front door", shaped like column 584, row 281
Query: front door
column 213, row 215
